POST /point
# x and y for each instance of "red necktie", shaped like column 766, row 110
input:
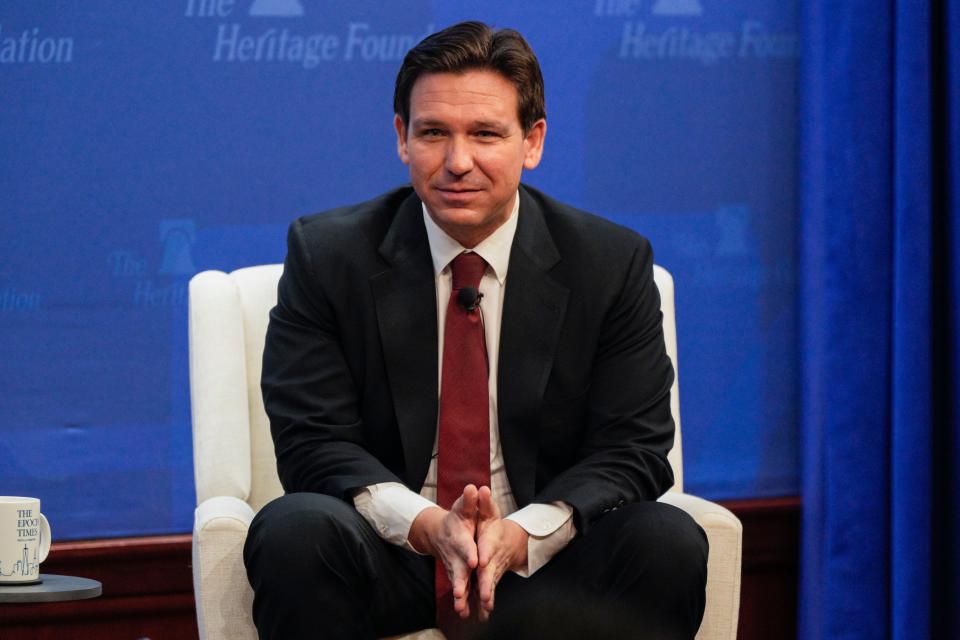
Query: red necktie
column 464, row 440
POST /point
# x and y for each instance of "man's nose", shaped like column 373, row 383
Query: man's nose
column 459, row 159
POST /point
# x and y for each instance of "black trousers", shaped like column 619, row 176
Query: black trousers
column 319, row 570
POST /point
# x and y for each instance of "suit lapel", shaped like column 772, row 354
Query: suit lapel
column 533, row 311
column 406, row 307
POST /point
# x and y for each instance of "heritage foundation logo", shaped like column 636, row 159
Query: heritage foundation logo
column 14, row 300
column 32, row 46
column 170, row 287
column 665, row 39
column 236, row 42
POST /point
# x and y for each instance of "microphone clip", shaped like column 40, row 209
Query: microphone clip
column 469, row 299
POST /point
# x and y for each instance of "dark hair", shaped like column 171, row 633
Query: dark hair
column 474, row 45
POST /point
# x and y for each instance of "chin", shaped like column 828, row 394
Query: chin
column 459, row 216
column 452, row 214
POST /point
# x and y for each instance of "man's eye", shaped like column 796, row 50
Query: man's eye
column 431, row 133
column 487, row 134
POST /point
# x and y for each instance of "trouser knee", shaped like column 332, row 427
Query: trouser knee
column 659, row 560
column 308, row 561
column 304, row 538
column 660, row 543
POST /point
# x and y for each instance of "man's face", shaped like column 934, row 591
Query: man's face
column 466, row 150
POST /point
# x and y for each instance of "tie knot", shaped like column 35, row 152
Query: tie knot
column 467, row 270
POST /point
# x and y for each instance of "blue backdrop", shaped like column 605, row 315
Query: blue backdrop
column 143, row 142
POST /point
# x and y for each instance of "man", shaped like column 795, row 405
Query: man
column 468, row 388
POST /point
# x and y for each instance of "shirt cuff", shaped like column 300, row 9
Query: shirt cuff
column 550, row 528
column 391, row 508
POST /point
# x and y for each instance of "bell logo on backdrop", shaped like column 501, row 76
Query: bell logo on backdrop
column 732, row 223
column 677, row 8
column 277, row 8
column 729, row 235
column 177, row 237
column 33, row 46
column 169, row 288
column 721, row 252
column 255, row 40
column 673, row 33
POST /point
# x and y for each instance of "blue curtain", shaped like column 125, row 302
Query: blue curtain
column 880, row 318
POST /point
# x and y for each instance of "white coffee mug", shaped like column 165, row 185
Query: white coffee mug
column 24, row 540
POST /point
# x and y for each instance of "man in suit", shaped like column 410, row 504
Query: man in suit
column 468, row 389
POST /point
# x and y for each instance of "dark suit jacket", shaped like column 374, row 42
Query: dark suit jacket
column 350, row 363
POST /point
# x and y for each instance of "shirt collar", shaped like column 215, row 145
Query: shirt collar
column 495, row 248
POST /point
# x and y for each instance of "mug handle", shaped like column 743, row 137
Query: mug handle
column 44, row 537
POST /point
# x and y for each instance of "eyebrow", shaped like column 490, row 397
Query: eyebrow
column 426, row 122
column 479, row 124
column 490, row 124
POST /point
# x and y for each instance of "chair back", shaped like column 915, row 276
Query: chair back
column 664, row 282
column 233, row 450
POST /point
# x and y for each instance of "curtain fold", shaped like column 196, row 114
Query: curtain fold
column 879, row 319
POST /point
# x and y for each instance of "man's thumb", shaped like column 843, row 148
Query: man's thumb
column 488, row 509
column 468, row 503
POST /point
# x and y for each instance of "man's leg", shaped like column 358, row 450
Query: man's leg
column 640, row 572
column 318, row 569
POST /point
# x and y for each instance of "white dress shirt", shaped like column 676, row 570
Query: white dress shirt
column 391, row 507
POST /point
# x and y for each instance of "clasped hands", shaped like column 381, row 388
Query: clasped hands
column 470, row 537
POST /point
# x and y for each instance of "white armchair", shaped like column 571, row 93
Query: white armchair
column 235, row 468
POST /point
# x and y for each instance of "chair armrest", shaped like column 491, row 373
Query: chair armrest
column 223, row 513
column 224, row 597
column 706, row 513
column 725, row 535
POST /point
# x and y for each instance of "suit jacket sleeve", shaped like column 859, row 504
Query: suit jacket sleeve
column 624, row 428
column 308, row 391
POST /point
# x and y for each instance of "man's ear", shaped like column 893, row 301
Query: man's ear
column 401, row 139
column 533, row 144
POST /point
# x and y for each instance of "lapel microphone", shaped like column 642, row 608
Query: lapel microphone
column 469, row 298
